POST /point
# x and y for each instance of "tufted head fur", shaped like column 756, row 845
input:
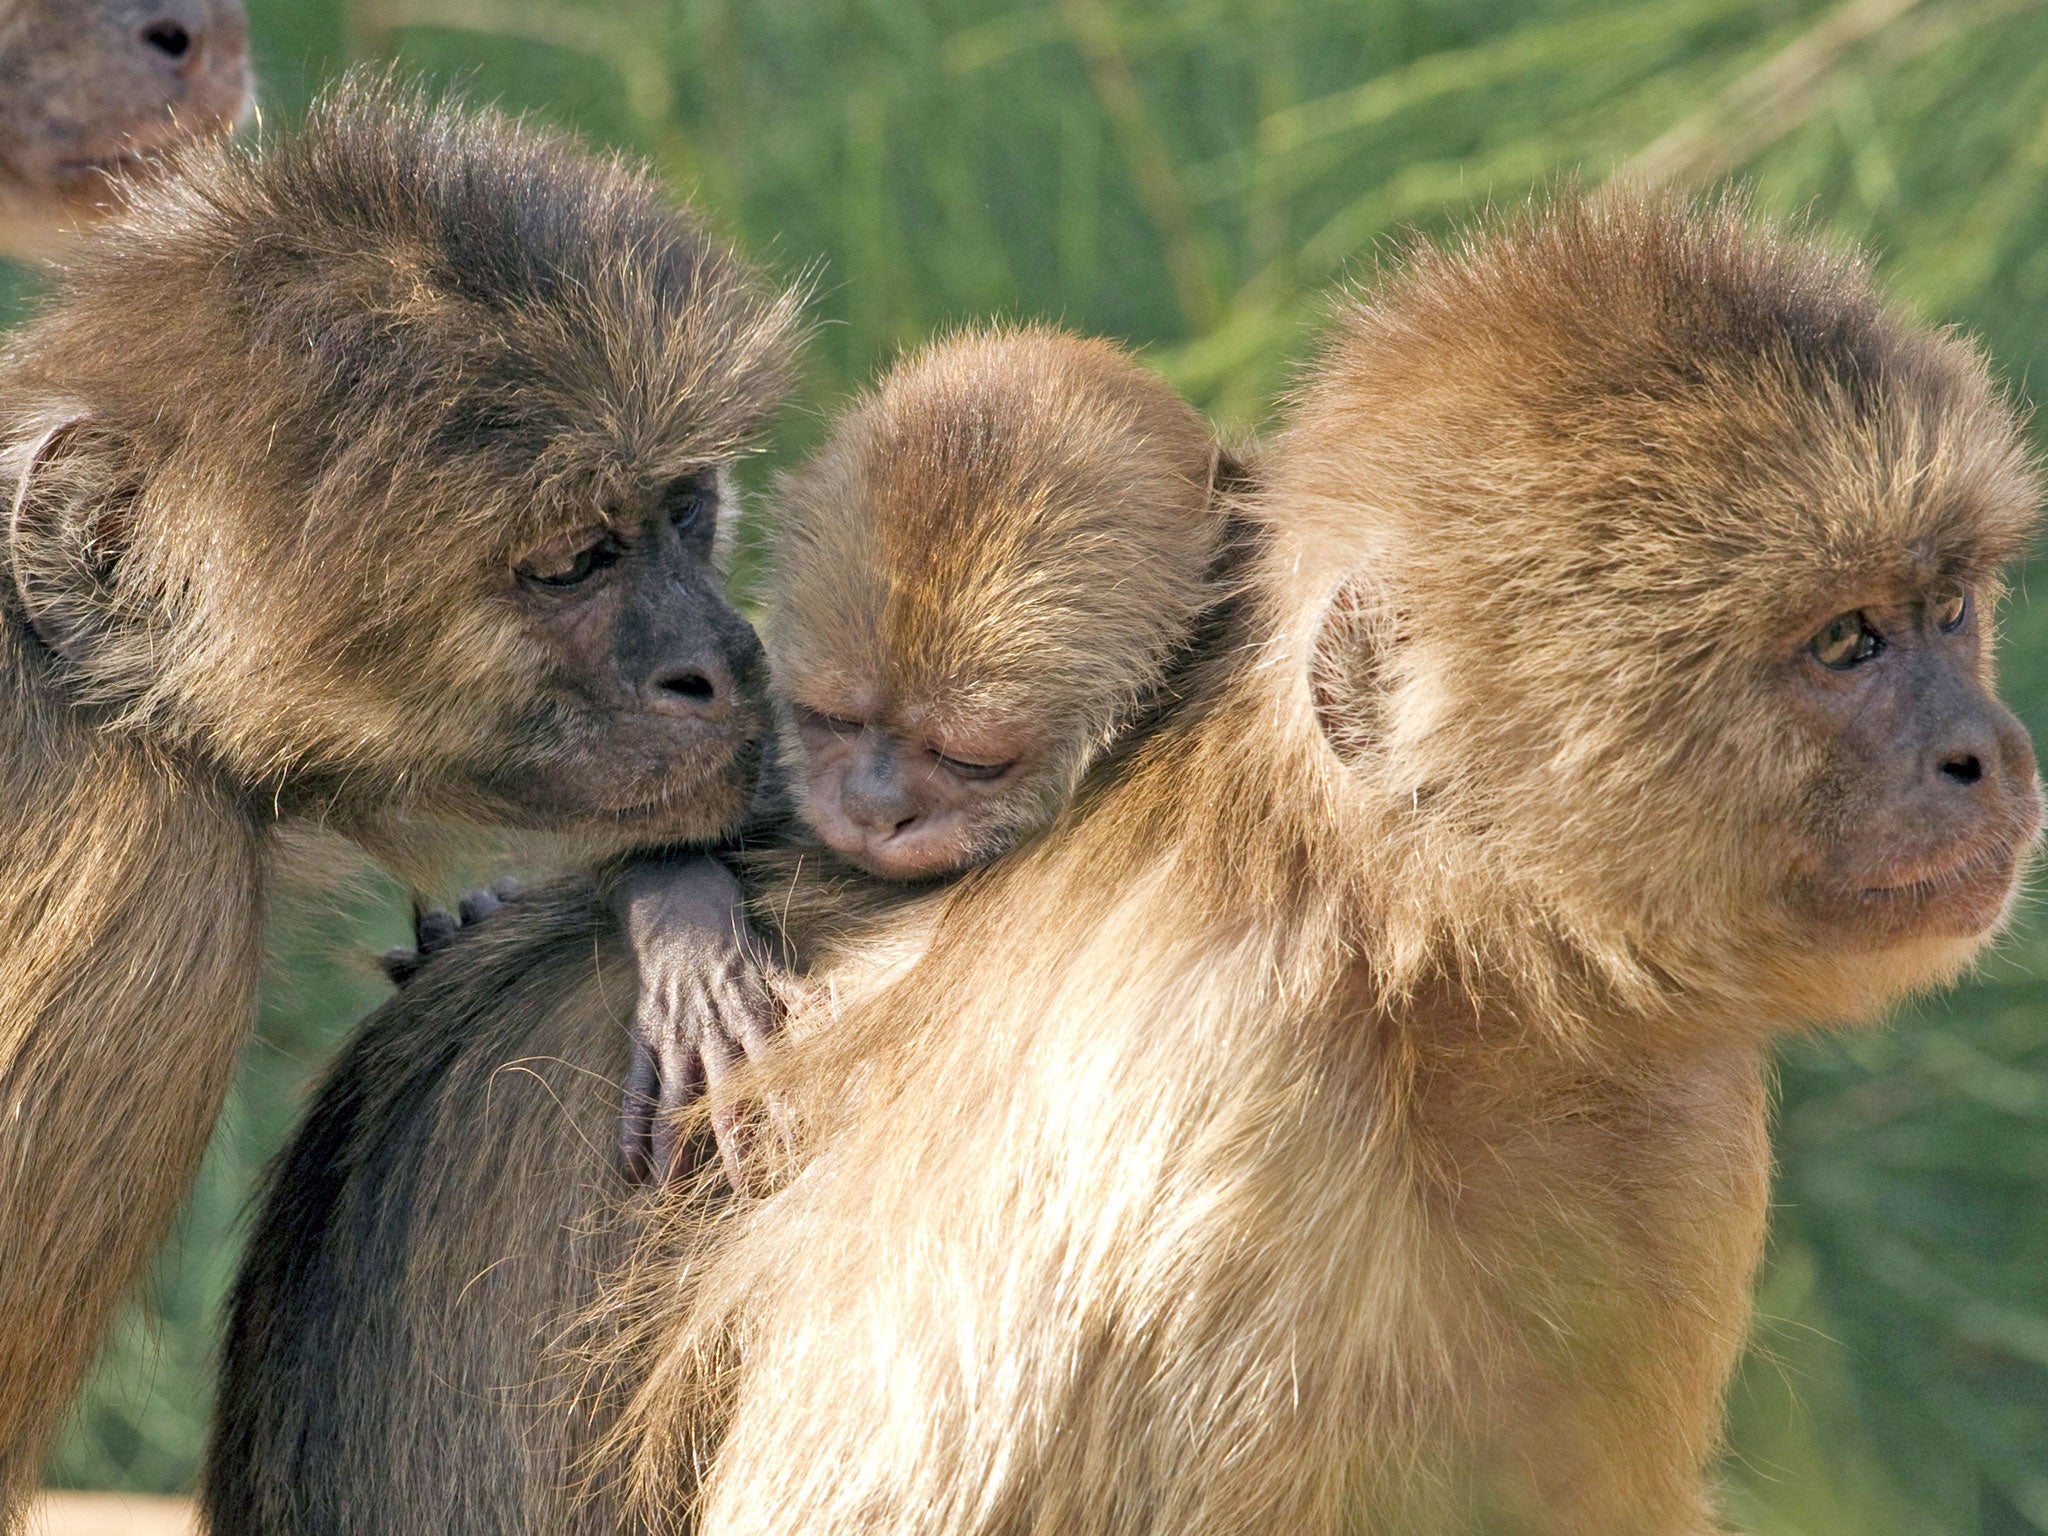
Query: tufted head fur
column 1567, row 501
column 363, row 368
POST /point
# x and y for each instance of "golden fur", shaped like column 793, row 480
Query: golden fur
column 1373, row 1141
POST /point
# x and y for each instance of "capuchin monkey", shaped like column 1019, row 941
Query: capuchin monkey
column 92, row 92
column 367, row 483
column 980, row 581
column 1350, row 1114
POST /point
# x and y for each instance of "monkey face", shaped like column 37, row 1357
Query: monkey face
column 1673, row 652
column 99, row 86
column 1927, row 796
column 899, row 797
column 442, row 548
column 651, row 714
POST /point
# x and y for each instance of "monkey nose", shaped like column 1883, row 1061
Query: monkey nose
column 698, row 690
column 878, row 811
column 181, row 34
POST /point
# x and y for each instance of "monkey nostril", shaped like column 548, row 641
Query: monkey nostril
column 168, row 38
column 1964, row 768
column 694, row 686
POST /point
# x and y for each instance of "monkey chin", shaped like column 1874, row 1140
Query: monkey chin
column 696, row 803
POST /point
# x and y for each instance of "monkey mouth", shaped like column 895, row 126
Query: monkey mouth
column 1958, row 897
column 140, row 153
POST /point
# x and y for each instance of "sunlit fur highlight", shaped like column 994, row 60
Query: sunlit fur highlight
column 1371, row 1141
column 329, row 386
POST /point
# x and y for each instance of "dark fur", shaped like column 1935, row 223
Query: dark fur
column 466, row 1139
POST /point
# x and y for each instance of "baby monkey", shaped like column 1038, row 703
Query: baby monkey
column 981, row 581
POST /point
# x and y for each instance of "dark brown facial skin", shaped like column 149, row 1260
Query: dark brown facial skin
column 89, row 87
column 1930, row 797
column 658, row 681
column 905, row 800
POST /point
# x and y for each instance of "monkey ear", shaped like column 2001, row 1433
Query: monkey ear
column 68, row 526
column 1347, row 670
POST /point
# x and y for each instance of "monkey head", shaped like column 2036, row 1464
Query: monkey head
column 92, row 87
column 380, row 468
column 1652, row 565
column 981, row 573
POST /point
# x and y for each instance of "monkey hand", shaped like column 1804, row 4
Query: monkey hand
column 434, row 930
column 708, row 995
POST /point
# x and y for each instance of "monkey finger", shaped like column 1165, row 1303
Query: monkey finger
column 681, row 1082
column 756, row 1016
column 508, row 888
column 718, row 1055
column 477, row 906
column 639, row 1102
column 434, row 929
column 400, row 965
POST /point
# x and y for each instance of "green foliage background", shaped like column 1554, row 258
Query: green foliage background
column 1192, row 175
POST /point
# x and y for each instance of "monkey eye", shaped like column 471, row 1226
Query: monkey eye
column 1845, row 641
column 962, row 769
column 838, row 725
column 1951, row 608
column 571, row 560
column 690, row 500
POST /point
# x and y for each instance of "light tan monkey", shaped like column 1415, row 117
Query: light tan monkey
column 1353, row 1119
column 92, row 90
column 980, row 580
column 367, row 481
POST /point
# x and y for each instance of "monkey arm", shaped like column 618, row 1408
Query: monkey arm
column 709, row 994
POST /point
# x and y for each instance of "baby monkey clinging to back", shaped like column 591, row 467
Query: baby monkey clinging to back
column 980, row 581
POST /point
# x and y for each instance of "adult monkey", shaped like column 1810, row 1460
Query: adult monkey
column 94, row 89
column 369, row 482
column 1353, row 1117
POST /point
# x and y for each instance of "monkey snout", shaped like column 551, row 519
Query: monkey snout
column 701, row 690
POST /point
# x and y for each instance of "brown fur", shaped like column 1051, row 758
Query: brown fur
column 328, row 392
column 90, row 89
column 1375, row 1142
column 1015, row 528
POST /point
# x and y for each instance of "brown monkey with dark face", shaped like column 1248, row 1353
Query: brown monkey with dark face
column 93, row 89
column 1353, row 1118
column 369, row 481
column 988, row 572
column 980, row 580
